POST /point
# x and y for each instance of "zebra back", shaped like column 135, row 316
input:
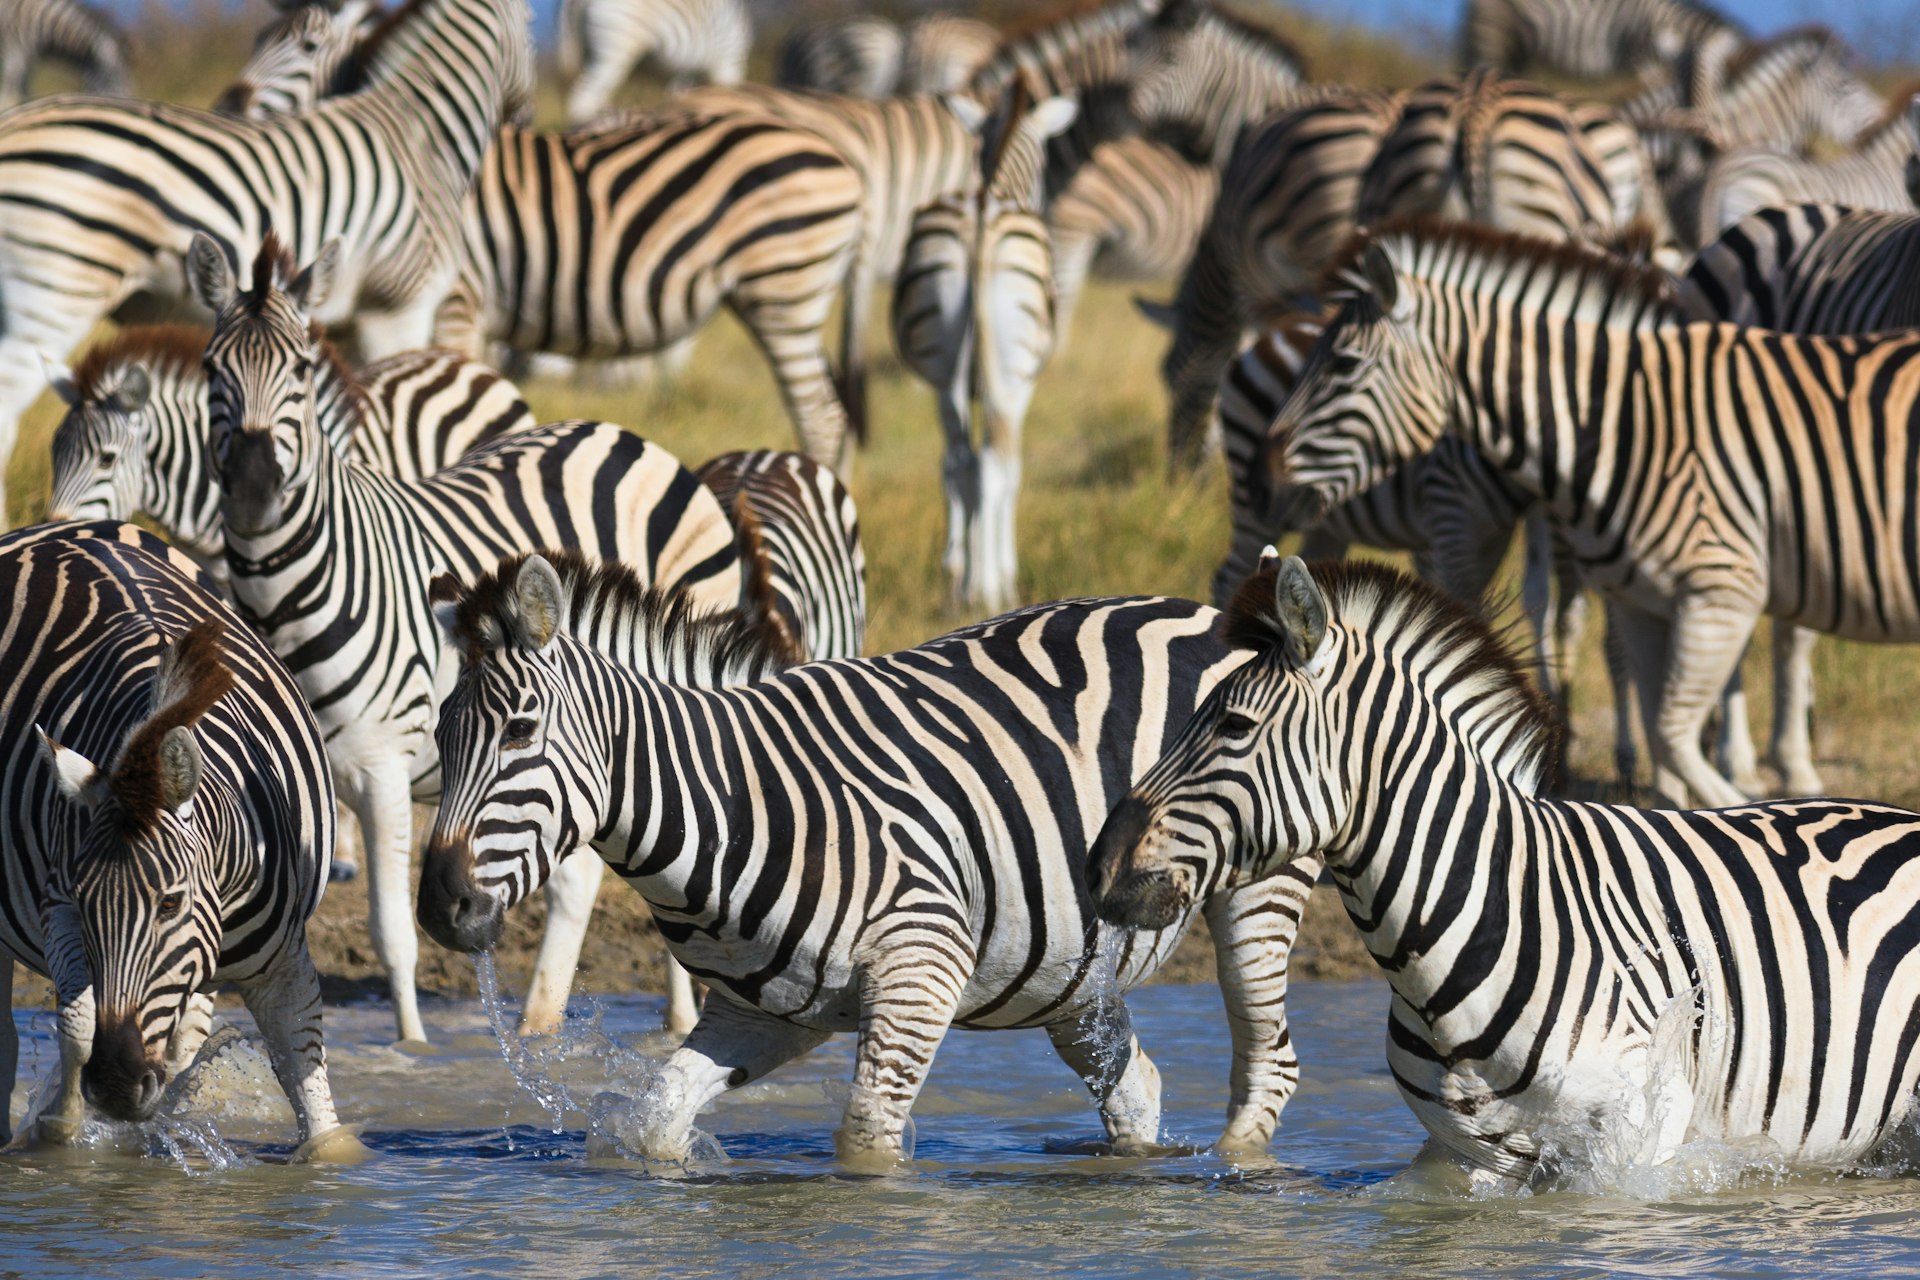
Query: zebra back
column 809, row 534
column 1811, row 268
column 1590, row 40
column 859, row 56
column 1201, row 78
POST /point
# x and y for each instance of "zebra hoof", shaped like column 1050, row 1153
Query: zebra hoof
column 338, row 1145
column 341, row 872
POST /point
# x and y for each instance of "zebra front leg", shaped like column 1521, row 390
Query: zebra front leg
column 285, row 1002
column 572, row 890
column 1737, row 758
column 64, row 1117
column 9, row 1048
column 1099, row 1044
column 731, row 1045
column 381, row 796
column 683, row 1006
column 1791, row 751
column 1253, row 931
column 908, row 997
column 1708, row 637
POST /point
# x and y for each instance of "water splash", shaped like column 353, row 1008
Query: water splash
column 522, row 1059
column 1108, row 1032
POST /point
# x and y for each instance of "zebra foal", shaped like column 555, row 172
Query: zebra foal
column 1604, row 984
column 165, row 823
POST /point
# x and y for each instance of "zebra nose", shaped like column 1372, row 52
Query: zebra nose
column 452, row 909
column 1113, row 847
column 118, row 1078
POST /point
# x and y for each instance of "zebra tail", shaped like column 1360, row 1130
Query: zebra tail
column 850, row 383
column 569, row 39
column 760, row 604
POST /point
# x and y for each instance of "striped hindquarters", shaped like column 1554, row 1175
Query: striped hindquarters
column 1812, row 268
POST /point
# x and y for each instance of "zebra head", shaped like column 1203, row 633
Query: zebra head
column 1251, row 782
column 1373, row 394
column 99, row 449
column 1200, row 77
column 139, row 879
column 264, row 440
column 516, row 792
column 296, row 59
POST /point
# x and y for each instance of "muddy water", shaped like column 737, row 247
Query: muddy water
column 471, row 1176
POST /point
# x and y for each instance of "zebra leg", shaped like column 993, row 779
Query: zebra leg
column 381, row 796
column 1737, row 758
column 793, row 344
column 959, row 478
column 1538, row 600
column 1791, row 751
column 908, row 996
column 1709, row 635
column 572, row 890
column 1626, row 755
column 9, row 1049
column 731, row 1045
column 683, row 1006
column 285, row 1002
column 1253, row 929
column 599, row 80
column 62, row 1120
column 1100, row 1046
column 999, row 495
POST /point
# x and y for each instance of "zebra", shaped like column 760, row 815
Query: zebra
column 943, row 52
column 1603, row 984
column 804, row 518
column 99, row 198
column 859, row 56
column 1285, row 207
column 1811, row 268
column 1134, row 211
column 299, row 57
column 167, row 824
column 331, row 563
column 69, row 30
column 1587, row 40
column 1701, row 474
column 1491, row 150
column 134, row 438
column 1873, row 175
column 1202, row 78
column 887, row 843
column 973, row 317
column 693, row 41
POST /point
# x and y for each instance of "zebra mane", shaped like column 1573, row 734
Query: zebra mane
column 1599, row 275
column 273, row 270
column 164, row 350
column 352, row 74
column 1078, row 17
column 606, row 599
column 1895, row 114
column 1264, row 39
column 1816, row 37
column 1433, row 629
column 191, row 678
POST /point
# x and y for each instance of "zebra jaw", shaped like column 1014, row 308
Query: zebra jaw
column 1124, row 894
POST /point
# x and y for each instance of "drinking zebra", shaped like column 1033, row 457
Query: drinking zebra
column 331, row 561
column 891, row 844
column 1701, row 474
column 973, row 317
column 166, row 823
column 70, row 31
column 134, row 438
column 600, row 41
column 859, row 56
column 1586, row 39
column 1811, row 268
column 809, row 535
column 99, row 198
column 1604, row 984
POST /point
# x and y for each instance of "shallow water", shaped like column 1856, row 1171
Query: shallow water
column 470, row 1175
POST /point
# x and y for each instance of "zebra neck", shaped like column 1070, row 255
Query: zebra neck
column 178, row 490
column 430, row 94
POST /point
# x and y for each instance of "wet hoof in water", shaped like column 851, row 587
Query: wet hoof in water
column 338, row 1145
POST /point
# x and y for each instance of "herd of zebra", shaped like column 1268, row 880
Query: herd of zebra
column 1664, row 336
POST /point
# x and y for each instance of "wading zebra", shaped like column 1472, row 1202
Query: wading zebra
column 1134, row 211
column 68, row 30
column 99, row 198
column 858, row 56
column 166, row 823
column 1873, row 175
column 973, row 316
column 889, row 844
column 809, row 537
column 299, row 57
column 1285, row 207
column 1701, row 474
column 1201, row 78
column 1811, row 268
column 134, row 439
column 692, row 41
column 944, row 52
column 1602, row 985
column 1592, row 39
column 331, row 563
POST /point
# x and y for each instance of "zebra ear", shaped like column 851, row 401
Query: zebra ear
column 542, row 601
column 77, row 777
column 314, row 285
column 1301, row 609
column 446, row 594
column 1160, row 314
column 134, row 389
column 969, row 110
column 180, row 767
column 59, row 379
column 209, row 274
column 1053, row 117
column 1382, row 283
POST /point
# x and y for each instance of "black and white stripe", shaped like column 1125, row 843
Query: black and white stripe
column 166, row 823
column 859, row 56
column 1873, row 175
column 1201, row 78
column 887, row 844
column 331, row 561
column 1591, row 39
column 691, row 41
column 1578, row 988
column 944, row 51
column 1811, row 268
column 64, row 29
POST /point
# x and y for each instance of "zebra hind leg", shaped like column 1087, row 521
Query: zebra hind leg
column 285, row 1002
column 1100, row 1046
column 381, row 798
column 731, row 1045
column 908, row 998
column 1791, row 750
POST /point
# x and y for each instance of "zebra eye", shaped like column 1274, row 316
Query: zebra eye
column 171, row 903
column 108, row 457
column 519, row 730
column 1235, row 725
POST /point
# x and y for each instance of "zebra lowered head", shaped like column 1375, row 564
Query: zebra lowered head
column 98, row 467
column 139, row 878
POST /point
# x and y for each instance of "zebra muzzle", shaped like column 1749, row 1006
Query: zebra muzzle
column 119, row 1078
column 1125, row 894
column 453, row 910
